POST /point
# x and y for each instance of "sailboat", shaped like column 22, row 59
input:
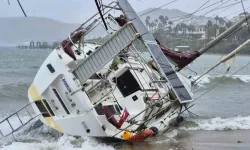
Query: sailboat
column 126, row 87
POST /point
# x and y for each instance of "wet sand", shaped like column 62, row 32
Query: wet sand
column 195, row 140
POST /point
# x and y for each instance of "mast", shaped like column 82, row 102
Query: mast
column 220, row 37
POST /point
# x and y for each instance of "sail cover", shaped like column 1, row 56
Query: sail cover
column 162, row 62
column 182, row 59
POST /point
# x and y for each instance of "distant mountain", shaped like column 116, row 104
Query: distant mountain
column 21, row 30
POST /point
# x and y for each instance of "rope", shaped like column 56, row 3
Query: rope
column 245, row 15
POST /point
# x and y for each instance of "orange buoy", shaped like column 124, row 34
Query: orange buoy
column 127, row 135
column 141, row 136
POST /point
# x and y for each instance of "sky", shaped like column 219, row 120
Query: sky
column 76, row 11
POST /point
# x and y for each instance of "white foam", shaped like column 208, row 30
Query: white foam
column 204, row 80
column 208, row 78
column 220, row 124
column 43, row 138
column 63, row 143
column 244, row 78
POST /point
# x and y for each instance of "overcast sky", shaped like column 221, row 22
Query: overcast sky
column 75, row 11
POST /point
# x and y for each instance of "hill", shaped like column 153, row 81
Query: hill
column 18, row 30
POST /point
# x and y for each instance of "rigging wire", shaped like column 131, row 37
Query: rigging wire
column 100, row 12
column 219, row 82
column 212, row 87
column 22, row 8
column 217, row 8
column 158, row 7
column 224, row 10
column 214, row 9
column 238, row 11
column 20, row 5
column 235, row 31
column 245, row 15
column 196, row 10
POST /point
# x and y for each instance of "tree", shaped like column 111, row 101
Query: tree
column 184, row 27
column 156, row 22
column 221, row 21
column 169, row 30
column 170, row 23
column 222, row 29
column 177, row 28
column 229, row 24
column 163, row 20
column 208, row 26
column 216, row 19
column 147, row 21
column 214, row 30
column 191, row 28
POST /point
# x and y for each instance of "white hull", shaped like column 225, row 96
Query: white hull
column 78, row 116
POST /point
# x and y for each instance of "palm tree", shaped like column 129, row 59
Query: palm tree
column 216, row 19
column 184, row 27
column 170, row 23
column 208, row 26
column 156, row 22
column 169, row 30
column 191, row 28
column 165, row 20
column 177, row 28
column 161, row 18
column 154, row 25
column 147, row 21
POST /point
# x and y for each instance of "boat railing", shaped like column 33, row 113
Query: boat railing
column 94, row 21
column 12, row 126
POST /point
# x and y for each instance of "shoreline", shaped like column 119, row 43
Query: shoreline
column 196, row 140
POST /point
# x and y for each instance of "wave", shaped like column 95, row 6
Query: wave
column 237, row 123
column 63, row 143
column 226, row 79
column 15, row 91
column 37, row 136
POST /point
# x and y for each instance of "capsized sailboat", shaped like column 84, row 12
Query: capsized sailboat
column 123, row 87
column 112, row 91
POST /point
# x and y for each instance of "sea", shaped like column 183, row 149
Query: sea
column 219, row 118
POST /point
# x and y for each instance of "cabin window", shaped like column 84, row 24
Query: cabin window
column 42, row 108
column 61, row 101
column 127, row 84
column 113, row 108
column 99, row 109
column 51, row 68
